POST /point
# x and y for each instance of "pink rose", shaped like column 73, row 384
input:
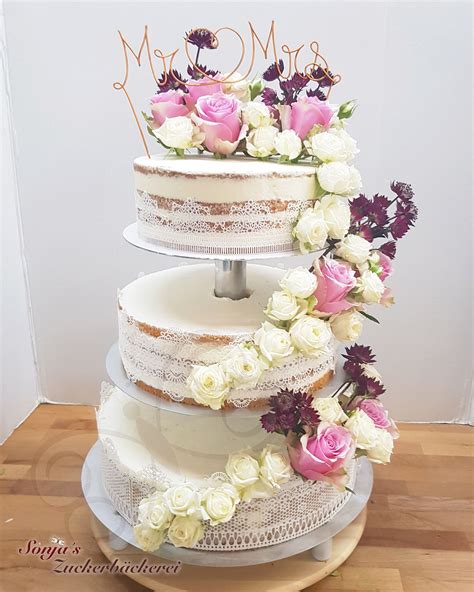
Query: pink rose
column 379, row 415
column 386, row 265
column 218, row 117
column 307, row 112
column 167, row 104
column 322, row 457
column 201, row 88
column 387, row 298
column 335, row 281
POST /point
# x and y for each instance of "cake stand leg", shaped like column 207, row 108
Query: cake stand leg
column 322, row 552
column 116, row 543
column 231, row 279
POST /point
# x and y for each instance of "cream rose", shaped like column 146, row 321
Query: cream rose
column 258, row 490
column 183, row 500
column 149, row 539
column 256, row 115
column 209, row 385
column 340, row 178
column 354, row 248
column 185, row 531
column 237, row 85
column 337, row 215
column 333, row 145
column 288, row 143
column 310, row 335
column 179, row 132
column 299, row 282
column 329, row 409
column 261, row 141
column 242, row 469
column 154, row 512
column 382, row 450
column 282, row 306
column 311, row 230
column 275, row 468
column 274, row 343
column 369, row 287
column 219, row 503
column 243, row 367
column 363, row 429
column 347, row 326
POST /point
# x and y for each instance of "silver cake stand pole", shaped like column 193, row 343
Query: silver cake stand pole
column 231, row 279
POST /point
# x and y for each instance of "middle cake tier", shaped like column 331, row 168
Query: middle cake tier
column 171, row 320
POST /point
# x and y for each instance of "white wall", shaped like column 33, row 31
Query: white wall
column 407, row 63
column 18, row 382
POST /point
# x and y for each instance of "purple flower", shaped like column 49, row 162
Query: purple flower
column 316, row 92
column 369, row 387
column 282, row 402
column 309, row 417
column 365, row 231
column 273, row 71
column 389, row 249
column 353, row 370
column 172, row 80
column 359, row 208
column 403, row 191
column 269, row 97
column 361, row 354
column 269, row 422
column 202, row 38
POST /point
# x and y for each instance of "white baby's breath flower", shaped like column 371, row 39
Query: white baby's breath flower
column 339, row 178
column 311, row 229
column 363, row 429
column 353, row 248
column 337, row 215
column 243, row 367
column 329, row 409
column 256, row 115
column 275, row 468
column 219, row 503
column 179, row 132
column 347, row 325
column 382, row 449
column 288, row 143
column 261, row 141
column 310, row 336
column 185, row 531
column 274, row 343
column 183, row 500
column 299, row 282
column 209, row 385
column 149, row 539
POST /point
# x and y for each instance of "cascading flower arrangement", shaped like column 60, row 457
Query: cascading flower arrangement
column 324, row 434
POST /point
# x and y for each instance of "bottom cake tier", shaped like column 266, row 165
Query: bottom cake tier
column 145, row 448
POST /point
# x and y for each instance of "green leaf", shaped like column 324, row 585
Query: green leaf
column 179, row 152
column 368, row 316
column 147, row 117
column 256, row 88
column 347, row 109
column 349, row 489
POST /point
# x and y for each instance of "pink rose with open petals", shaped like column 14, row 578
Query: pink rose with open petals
column 201, row 88
column 379, row 415
column 335, row 281
column 307, row 112
column 323, row 457
column 167, row 104
column 218, row 117
column 386, row 265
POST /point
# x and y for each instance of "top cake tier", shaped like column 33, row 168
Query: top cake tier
column 220, row 207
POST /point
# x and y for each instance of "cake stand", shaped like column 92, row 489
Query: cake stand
column 292, row 565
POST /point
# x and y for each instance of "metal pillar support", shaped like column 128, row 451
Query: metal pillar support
column 231, row 279
column 322, row 552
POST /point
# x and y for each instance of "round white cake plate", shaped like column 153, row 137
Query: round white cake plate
column 119, row 378
column 319, row 541
column 132, row 236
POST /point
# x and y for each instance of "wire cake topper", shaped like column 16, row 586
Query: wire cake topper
column 162, row 65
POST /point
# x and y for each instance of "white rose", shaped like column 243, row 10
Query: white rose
column 299, row 282
column 178, row 132
column 209, row 385
column 237, row 85
column 185, row 531
column 153, row 511
column 363, row 429
column 274, row 343
column 183, row 500
column 243, row 367
column 311, row 230
column 282, row 306
column 340, row 178
column 256, row 115
column 288, row 143
column 149, row 539
column 261, row 141
column 370, row 287
column 275, row 468
column 347, row 326
column 353, row 248
column 259, row 490
column 219, row 503
column 333, row 145
column 382, row 450
column 371, row 372
column 310, row 335
column 329, row 409
column 243, row 470
column 337, row 215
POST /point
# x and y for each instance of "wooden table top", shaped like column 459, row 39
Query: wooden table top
column 419, row 535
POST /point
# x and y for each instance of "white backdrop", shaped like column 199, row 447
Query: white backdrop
column 408, row 64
